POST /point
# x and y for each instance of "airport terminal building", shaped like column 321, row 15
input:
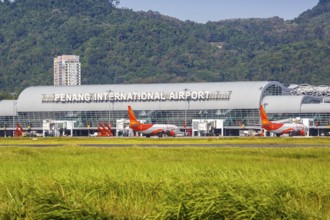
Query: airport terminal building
column 215, row 108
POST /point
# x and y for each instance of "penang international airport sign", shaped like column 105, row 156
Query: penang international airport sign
column 135, row 96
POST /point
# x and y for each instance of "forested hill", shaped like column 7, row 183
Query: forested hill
column 121, row 46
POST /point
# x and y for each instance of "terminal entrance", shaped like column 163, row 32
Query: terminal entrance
column 57, row 128
column 207, row 127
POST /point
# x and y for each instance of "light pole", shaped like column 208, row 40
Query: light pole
column 14, row 115
column 109, row 91
column 185, row 111
column 14, row 108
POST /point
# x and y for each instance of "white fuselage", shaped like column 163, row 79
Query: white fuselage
column 158, row 128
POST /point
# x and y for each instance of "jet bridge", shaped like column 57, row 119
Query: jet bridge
column 57, row 128
column 207, row 127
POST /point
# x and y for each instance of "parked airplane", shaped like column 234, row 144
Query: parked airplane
column 151, row 129
column 19, row 131
column 279, row 128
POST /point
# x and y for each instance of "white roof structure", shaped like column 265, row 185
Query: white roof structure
column 295, row 104
column 170, row 96
column 167, row 96
column 316, row 108
column 306, row 89
column 8, row 107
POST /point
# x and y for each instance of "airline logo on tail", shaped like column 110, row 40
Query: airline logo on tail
column 280, row 128
column 133, row 122
column 151, row 129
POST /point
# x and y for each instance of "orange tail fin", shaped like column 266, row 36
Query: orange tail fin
column 263, row 115
column 108, row 126
column 19, row 130
column 132, row 118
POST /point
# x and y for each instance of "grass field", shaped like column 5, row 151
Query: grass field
column 68, row 181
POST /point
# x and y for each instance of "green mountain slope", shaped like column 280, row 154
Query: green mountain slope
column 122, row 46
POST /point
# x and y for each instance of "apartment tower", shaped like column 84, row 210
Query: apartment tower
column 67, row 70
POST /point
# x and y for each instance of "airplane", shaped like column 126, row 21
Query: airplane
column 151, row 129
column 19, row 131
column 280, row 127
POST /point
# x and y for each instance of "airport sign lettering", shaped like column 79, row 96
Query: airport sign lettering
column 135, row 96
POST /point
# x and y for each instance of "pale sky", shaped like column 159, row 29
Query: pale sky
column 216, row 10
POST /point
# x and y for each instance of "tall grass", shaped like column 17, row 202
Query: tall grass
column 164, row 183
column 68, row 141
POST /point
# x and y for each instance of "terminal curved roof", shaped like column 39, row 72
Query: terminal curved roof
column 277, row 104
column 8, row 107
column 317, row 108
column 243, row 95
column 293, row 104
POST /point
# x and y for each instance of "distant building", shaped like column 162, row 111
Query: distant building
column 213, row 108
column 67, row 71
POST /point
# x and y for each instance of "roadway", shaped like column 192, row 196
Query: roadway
column 262, row 145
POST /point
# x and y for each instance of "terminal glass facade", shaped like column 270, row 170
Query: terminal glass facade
column 231, row 117
column 236, row 105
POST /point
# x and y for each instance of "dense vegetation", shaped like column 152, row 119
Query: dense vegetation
column 71, row 182
column 121, row 46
